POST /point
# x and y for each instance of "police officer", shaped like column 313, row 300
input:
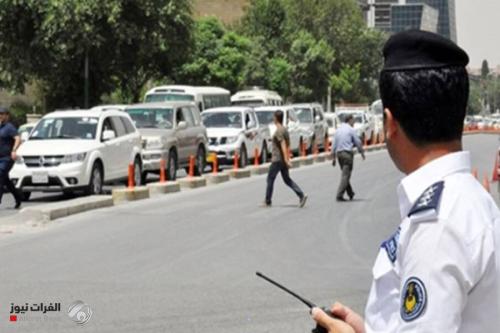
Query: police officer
column 440, row 270
column 280, row 162
column 345, row 140
column 9, row 142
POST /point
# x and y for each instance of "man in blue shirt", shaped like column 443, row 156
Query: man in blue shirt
column 9, row 142
column 345, row 140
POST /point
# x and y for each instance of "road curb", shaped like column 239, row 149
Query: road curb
column 260, row 169
column 163, row 188
column 192, row 182
column 42, row 214
column 123, row 195
column 218, row 178
column 240, row 173
column 295, row 163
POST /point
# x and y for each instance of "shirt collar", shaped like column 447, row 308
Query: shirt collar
column 413, row 185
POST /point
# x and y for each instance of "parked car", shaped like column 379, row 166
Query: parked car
column 364, row 123
column 71, row 151
column 265, row 115
column 235, row 129
column 333, row 123
column 171, row 131
column 313, row 122
column 24, row 131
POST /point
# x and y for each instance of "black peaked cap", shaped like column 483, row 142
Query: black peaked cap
column 417, row 49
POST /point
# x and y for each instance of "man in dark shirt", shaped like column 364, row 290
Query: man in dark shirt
column 9, row 142
column 280, row 162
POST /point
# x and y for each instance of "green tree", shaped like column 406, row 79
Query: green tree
column 126, row 43
column 485, row 70
column 311, row 60
column 335, row 25
column 219, row 57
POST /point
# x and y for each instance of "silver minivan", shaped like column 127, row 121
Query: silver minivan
column 171, row 131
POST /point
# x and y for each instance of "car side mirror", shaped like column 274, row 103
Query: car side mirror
column 251, row 124
column 24, row 136
column 317, row 118
column 108, row 135
column 182, row 125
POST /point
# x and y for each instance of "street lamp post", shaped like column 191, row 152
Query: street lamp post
column 86, row 84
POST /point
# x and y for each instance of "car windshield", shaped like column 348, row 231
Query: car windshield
column 222, row 119
column 151, row 98
column 358, row 118
column 304, row 115
column 265, row 117
column 152, row 118
column 66, row 128
column 249, row 102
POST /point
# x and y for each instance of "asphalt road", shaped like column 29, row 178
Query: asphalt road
column 186, row 262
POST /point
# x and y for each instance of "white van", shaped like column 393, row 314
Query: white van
column 256, row 98
column 203, row 97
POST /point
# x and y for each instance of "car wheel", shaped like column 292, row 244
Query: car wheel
column 138, row 175
column 96, row 180
column 243, row 157
column 25, row 196
column 172, row 165
column 264, row 154
column 201, row 161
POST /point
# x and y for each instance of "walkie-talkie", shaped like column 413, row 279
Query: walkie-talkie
column 318, row 329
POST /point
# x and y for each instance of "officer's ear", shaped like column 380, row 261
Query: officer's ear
column 390, row 124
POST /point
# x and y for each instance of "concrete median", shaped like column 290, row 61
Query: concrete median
column 34, row 216
column 320, row 158
column 130, row 194
column 260, row 169
column 217, row 178
column 240, row 173
column 163, row 188
column 308, row 160
column 192, row 182
column 295, row 162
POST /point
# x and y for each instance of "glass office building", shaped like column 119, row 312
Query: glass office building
column 414, row 16
column 447, row 25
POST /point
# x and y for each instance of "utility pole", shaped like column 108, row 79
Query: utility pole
column 86, row 74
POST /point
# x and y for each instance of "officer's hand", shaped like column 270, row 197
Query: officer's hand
column 13, row 155
column 288, row 164
column 350, row 321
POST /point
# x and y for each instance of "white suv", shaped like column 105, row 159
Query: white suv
column 72, row 151
column 236, row 129
column 312, row 121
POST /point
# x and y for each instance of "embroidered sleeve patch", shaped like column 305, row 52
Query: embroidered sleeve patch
column 391, row 245
column 413, row 299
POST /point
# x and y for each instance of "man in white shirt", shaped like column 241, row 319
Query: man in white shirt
column 440, row 270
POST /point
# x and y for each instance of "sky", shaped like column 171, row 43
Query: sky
column 478, row 30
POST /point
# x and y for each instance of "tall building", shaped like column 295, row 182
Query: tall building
column 378, row 14
column 447, row 25
column 414, row 16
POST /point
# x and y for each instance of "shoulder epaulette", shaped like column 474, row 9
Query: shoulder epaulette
column 429, row 200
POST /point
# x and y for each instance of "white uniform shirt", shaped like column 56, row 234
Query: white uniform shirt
column 440, row 271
